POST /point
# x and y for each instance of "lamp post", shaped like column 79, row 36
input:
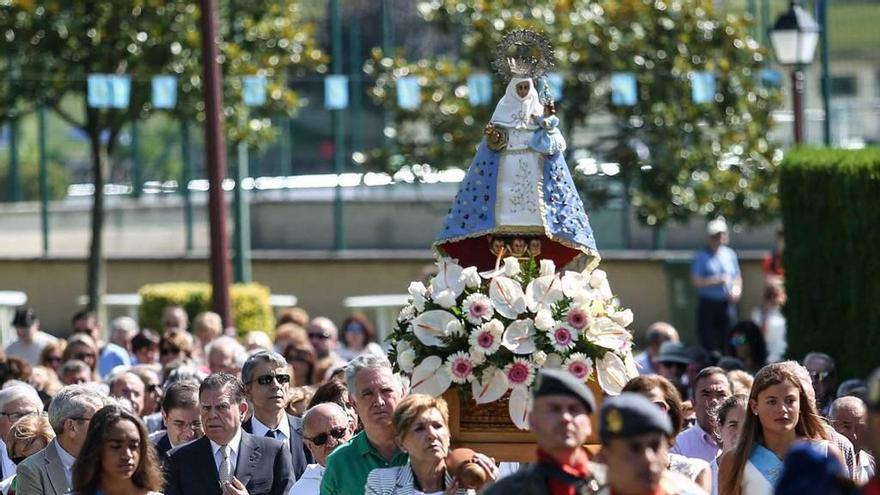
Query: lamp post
column 793, row 38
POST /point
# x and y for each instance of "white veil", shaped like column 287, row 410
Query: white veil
column 513, row 111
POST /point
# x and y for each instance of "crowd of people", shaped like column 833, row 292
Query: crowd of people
column 190, row 409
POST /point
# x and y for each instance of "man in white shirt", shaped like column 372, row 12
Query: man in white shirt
column 849, row 417
column 31, row 340
column 325, row 427
column 16, row 402
column 50, row 471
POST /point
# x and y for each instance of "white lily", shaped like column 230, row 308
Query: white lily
column 519, row 338
column 507, row 297
column 543, row 292
column 430, row 326
column 449, row 276
column 430, row 378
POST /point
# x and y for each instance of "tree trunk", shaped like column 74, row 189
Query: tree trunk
column 97, row 279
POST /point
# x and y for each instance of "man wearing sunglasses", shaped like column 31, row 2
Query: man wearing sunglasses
column 325, row 427
column 823, row 375
column 266, row 379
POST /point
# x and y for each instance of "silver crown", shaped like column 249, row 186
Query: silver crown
column 523, row 53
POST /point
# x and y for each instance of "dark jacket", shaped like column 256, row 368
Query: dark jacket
column 533, row 480
column 262, row 466
column 300, row 457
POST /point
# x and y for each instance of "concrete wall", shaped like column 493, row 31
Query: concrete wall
column 321, row 280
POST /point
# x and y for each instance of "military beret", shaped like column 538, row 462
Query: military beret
column 873, row 398
column 672, row 352
column 631, row 414
column 557, row 382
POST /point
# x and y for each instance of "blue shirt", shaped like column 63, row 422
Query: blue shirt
column 708, row 264
column 112, row 356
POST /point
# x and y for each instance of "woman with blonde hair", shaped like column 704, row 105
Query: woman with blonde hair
column 26, row 437
column 779, row 415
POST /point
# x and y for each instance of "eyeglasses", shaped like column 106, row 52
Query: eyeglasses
column 54, row 359
column 15, row 416
column 738, row 340
column 319, row 335
column 337, row 431
column 267, row 379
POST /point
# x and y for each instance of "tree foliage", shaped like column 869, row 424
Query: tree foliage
column 677, row 158
column 53, row 45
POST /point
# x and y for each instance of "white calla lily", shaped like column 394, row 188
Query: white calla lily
column 606, row 333
column 507, row 297
column 574, row 283
column 623, row 318
column 519, row 337
column 430, row 378
column 449, row 276
column 491, row 387
column 430, row 326
column 543, row 292
column 518, row 407
column 612, row 373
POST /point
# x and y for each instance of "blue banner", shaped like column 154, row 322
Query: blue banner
column 409, row 93
column 702, row 87
column 253, row 90
column 624, row 90
column 554, row 83
column 479, row 89
column 336, row 92
column 164, row 92
column 108, row 91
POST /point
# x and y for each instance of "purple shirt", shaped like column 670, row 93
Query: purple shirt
column 696, row 443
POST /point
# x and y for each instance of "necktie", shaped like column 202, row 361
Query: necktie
column 225, row 465
column 271, row 434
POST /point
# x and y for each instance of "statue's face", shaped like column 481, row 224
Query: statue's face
column 522, row 89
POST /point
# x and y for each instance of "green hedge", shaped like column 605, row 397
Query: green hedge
column 251, row 309
column 831, row 212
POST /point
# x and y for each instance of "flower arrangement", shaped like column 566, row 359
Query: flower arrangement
column 489, row 332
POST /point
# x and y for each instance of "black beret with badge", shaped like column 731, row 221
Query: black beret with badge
column 631, row 414
column 557, row 382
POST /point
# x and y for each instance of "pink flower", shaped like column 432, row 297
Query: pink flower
column 460, row 367
column 563, row 338
column 487, row 338
column 578, row 317
column 579, row 365
column 477, row 308
column 520, row 373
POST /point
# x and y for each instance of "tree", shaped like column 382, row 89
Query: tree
column 677, row 158
column 54, row 45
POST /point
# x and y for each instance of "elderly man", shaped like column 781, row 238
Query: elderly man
column 658, row 333
column 129, row 388
column 75, row 372
column 180, row 410
column 374, row 393
column 49, row 471
column 634, row 434
column 117, row 351
column 823, row 376
column 225, row 355
column 560, row 420
column 227, row 460
column 716, row 276
column 16, row 402
column 324, row 337
column 174, row 317
column 326, row 426
column 849, row 417
column 266, row 379
column 700, row 441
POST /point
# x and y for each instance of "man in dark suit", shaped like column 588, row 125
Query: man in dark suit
column 180, row 412
column 266, row 379
column 227, row 460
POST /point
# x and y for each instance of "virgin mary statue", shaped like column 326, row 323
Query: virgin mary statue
column 518, row 197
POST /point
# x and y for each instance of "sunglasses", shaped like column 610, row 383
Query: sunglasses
column 338, row 432
column 818, row 376
column 53, row 359
column 738, row 340
column 267, row 379
column 319, row 335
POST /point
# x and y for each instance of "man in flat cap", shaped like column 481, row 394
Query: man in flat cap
column 873, row 402
column 634, row 434
column 560, row 420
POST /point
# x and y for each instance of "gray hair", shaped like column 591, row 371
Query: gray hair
column 118, row 374
column 271, row 357
column 239, row 355
column 74, row 401
column 335, row 409
column 184, row 373
column 365, row 361
column 19, row 392
column 848, row 402
column 123, row 324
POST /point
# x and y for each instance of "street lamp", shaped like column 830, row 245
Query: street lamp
column 794, row 38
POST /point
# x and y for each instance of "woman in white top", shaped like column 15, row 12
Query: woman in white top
column 731, row 415
column 421, row 426
column 779, row 414
column 117, row 457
